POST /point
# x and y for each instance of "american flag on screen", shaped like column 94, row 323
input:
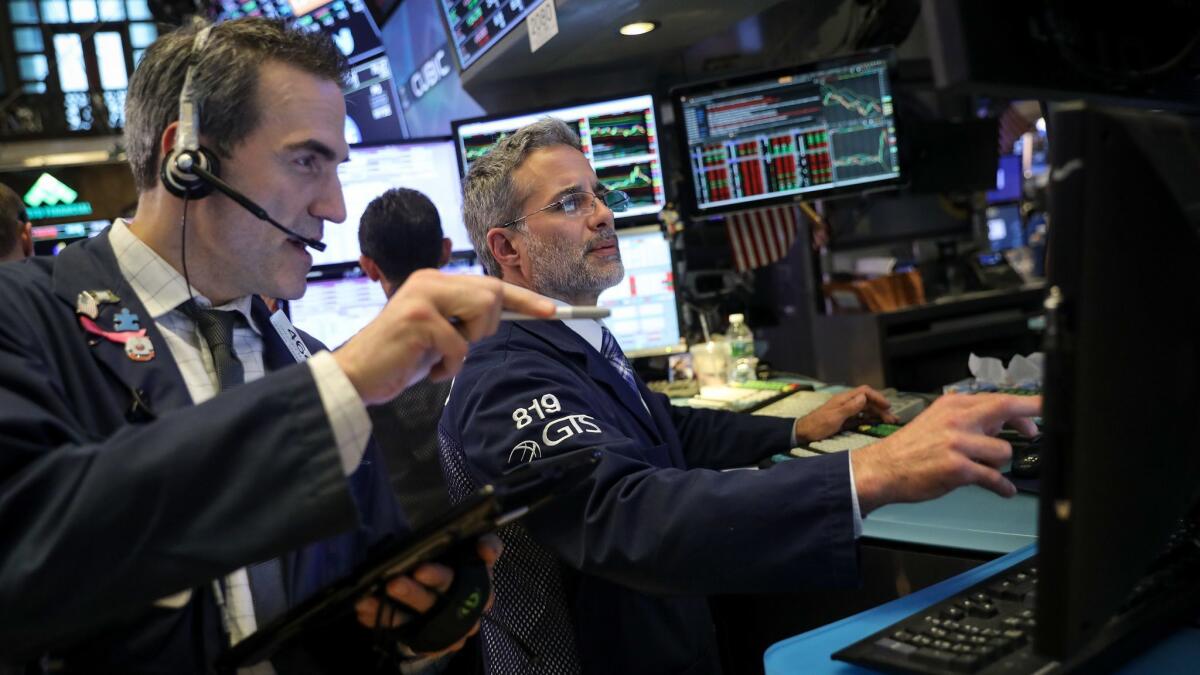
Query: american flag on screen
column 762, row 236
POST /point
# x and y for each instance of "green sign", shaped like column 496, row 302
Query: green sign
column 49, row 197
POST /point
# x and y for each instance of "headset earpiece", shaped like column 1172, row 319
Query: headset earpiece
column 177, row 176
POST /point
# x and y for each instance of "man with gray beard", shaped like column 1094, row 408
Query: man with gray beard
column 613, row 577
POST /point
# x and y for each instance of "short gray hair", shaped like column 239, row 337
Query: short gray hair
column 489, row 196
column 224, row 84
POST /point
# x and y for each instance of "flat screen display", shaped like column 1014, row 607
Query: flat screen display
column 815, row 129
column 428, row 166
column 477, row 25
column 619, row 137
column 645, row 314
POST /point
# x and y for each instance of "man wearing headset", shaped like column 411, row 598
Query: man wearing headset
column 178, row 466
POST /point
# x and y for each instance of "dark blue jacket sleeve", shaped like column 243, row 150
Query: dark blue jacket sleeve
column 639, row 520
column 95, row 528
column 715, row 439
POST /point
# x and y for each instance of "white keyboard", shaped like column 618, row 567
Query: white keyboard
column 846, row 440
column 730, row 398
column 798, row 404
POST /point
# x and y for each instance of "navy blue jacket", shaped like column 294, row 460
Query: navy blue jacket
column 612, row 578
column 115, row 490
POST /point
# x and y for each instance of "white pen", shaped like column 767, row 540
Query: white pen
column 575, row 312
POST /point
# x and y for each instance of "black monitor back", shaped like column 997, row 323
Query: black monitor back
column 1121, row 462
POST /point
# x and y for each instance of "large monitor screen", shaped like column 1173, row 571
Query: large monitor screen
column 475, row 26
column 373, row 110
column 619, row 137
column 819, row 128
column 337, row 306
column 645, row 314
column 428, row 166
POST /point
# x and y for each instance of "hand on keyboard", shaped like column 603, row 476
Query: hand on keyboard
column 949, row 445
column 847, row 408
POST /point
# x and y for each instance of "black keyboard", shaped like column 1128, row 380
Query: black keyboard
column 987, row 628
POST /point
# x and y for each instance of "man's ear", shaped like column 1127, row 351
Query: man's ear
column 166, row 143
column 504, row 250
column 370, row 268
column 27, row 239
column 445, row 252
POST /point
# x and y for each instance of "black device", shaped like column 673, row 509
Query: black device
column 1119, row 548
column 192, row 171
column 449, row 538
column 810, row 130
column 993, row 272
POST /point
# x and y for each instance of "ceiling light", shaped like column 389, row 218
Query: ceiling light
column 638, row 28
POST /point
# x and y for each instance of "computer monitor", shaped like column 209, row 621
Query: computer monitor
column 811, row 130
column 619, row 137
column 52, row 239
column 476, row 26
column 645, row 313
column 1121, row 456
column 336, row 307
column 373, row 111
column 426, row 165
column 1005, row 229
column 1008, row 180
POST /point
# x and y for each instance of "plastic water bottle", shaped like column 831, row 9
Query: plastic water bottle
column 741, row 350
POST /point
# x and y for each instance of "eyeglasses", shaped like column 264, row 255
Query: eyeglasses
column 582, row 204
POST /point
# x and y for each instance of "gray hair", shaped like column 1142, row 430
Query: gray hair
column 489, row 196
column 224, row 84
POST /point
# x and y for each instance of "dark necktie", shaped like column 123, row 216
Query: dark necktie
column 611, row 351
column 216, row 328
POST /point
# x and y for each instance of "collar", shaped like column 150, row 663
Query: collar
column 158, row 285
column 588, row 329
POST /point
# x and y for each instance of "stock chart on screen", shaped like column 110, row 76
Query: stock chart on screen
column 819, row 128
column 619, row 137
column 477, row 25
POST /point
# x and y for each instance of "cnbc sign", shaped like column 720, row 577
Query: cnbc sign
column 49, row 197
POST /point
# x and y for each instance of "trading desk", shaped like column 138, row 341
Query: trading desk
column 967, row 519
column 809, row 652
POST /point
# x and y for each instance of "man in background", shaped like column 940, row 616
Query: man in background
column 16, row 232
column 400, row 233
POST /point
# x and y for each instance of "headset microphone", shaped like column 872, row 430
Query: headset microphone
column 191, row 171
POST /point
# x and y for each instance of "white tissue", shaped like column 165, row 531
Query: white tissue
column 1022, row 371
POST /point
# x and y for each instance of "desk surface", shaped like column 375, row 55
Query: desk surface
column 809, row 652
column 969, row 518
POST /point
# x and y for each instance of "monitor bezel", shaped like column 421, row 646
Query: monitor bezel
column 663, row 162
column 682, row 346
column 688, row 197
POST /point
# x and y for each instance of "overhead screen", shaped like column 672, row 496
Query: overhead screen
column 619, row 137
column 818, row 129
column 372, row 108
column 428, row 166
column 645, row 314
column 477, row 25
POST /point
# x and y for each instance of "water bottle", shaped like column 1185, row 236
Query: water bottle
column 741, row 350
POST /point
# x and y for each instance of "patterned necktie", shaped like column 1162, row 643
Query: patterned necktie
column 216, row 328
column 611, row 351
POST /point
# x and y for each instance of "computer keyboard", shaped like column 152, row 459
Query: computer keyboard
column 801, row 403
column 734, row 398
column 841, row 442
column 988, row 628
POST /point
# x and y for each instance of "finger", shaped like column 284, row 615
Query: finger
column 1024, row 426
column 994, row 410
column 479, row 315
column 490, row 547
column 447, row 341
column 876, row 400
column 518, row 299
column 432, row 575
column 410, row 593
column 368, row 612
column 991, row 451
column 991, row 479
